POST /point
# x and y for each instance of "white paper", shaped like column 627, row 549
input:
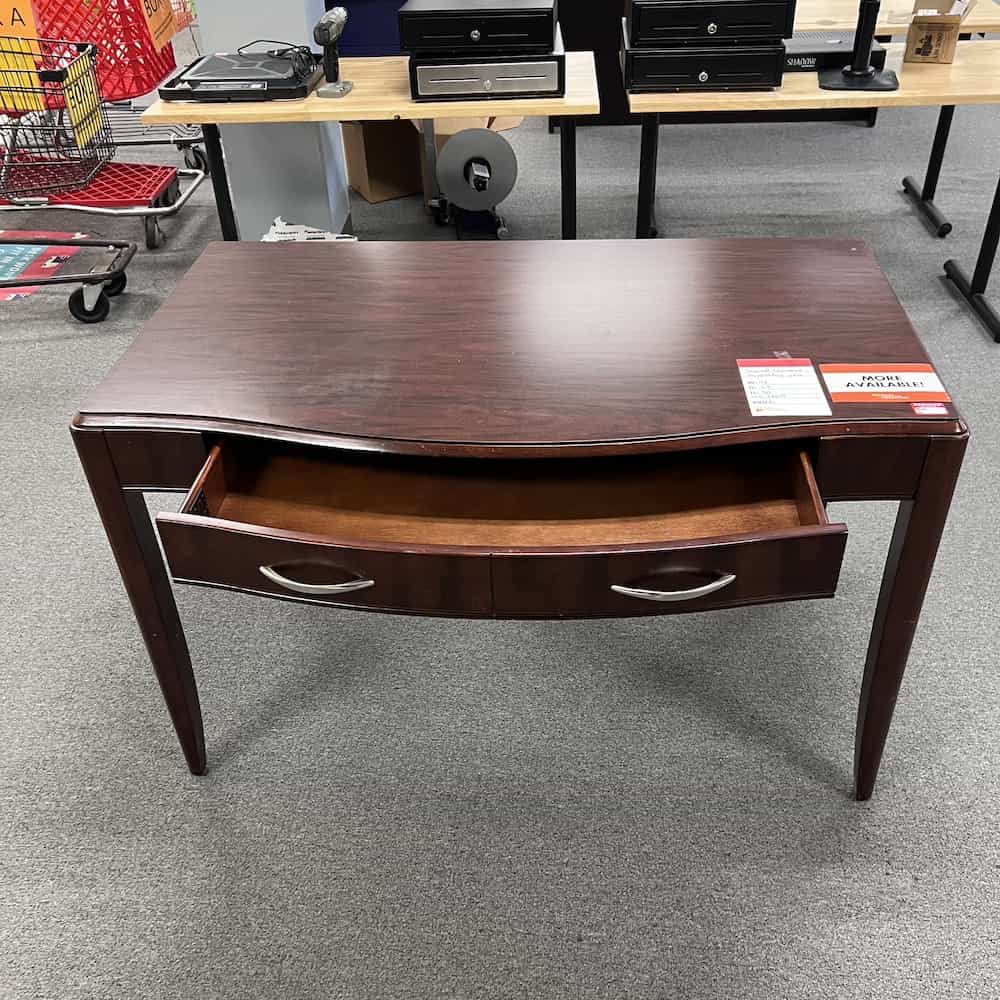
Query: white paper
column 783, row 387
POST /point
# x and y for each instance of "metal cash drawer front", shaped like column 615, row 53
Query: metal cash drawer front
column 485, row 78
column 486, row 32
column 722, row 68
column 684, row 20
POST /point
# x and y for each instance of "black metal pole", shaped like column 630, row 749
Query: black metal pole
column 864, row 35
column 861, row 74
column 941, row 134
column 974, row 291
column 988, row 250
column 648, row 153
column 567, row 159
column 923, row 195
column 220, row 182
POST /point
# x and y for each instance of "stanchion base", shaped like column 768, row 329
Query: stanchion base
column 837, row 79
column 931, row 214
column 977, row 301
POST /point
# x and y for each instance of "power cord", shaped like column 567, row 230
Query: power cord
column 300, row 56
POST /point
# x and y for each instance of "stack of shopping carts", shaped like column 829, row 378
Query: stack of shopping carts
column 65, row 107
column 55, row 138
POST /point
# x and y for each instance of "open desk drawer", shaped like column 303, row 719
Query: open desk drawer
column 541, row 538
column 321, row 526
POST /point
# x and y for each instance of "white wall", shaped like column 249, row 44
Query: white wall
column 295, row 171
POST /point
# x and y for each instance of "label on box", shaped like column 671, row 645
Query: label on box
column 884, row 383
column 929, row 409
column 782, row 387
column 160, row 20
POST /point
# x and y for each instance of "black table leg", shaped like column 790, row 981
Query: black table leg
column 645, row 217
column 567, row 156
column 220, row 182
column 924, row 196
column 974, row 292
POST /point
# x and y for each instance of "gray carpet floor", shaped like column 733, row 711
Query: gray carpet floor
column 406, row 808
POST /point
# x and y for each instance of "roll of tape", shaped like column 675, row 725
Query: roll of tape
column 476, row 144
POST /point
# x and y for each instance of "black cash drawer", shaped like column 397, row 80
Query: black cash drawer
column 667, row 22
column 724, row 67
column 453, row 26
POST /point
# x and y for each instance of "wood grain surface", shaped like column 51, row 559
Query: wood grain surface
column 893, row 19
column 382, row 93
column 583, row 502
column 974, row 78
column 489, row 348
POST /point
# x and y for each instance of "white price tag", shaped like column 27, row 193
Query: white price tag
column 782, row 387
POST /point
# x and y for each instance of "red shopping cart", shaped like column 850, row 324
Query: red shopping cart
column 56, row 146
column 130, row 63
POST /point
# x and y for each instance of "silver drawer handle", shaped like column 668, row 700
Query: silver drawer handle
column 314, row 588
column 675, row 595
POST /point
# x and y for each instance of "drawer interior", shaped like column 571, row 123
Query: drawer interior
column 365, row 498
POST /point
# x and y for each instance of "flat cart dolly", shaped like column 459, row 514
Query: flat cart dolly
column 139, row 190
column 91, row 302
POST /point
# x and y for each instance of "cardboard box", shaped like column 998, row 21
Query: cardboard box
column 383, row 159
column 934, row 30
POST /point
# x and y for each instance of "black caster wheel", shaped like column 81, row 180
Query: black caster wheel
column 78, row 307
column 195, row 158
column 116, row 285
column 154, row 235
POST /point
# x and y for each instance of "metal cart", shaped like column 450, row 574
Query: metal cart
column 91, row 302
column 57, row 147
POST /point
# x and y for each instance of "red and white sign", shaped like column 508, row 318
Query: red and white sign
column 782, row 387
column 929, row 409
column 903, row 383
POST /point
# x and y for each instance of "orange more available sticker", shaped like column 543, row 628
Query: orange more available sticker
column 884, row 383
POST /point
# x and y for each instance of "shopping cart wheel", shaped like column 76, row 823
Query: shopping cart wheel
column 195, row 158
column 79, row 310
column 116, row 285
column 154, row 235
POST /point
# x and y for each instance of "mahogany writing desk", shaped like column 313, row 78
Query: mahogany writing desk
column 513, row 430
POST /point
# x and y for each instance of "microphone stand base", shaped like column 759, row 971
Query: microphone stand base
column 877, row 80
column 339, row 89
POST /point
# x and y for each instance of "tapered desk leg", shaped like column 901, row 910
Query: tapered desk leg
column 567, row 156
column 220, row 182
column 133, row 541
column 915, row 539
column 974, row 292
column 923, row 196
column 645, row 216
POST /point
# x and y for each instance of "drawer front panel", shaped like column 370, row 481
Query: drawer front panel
column 666, row 23
column 540, row 77
column 579, row 586
column 229, row 555
column 869, row 468
column 470, row 33
column 724, row 68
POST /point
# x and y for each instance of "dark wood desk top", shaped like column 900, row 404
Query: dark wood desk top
column 485, row 347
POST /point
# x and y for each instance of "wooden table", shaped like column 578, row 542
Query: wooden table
column 382, row 93
column 567, row 438
column 973, row 78
column 595, row 25
column 893, row 21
